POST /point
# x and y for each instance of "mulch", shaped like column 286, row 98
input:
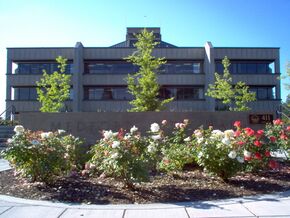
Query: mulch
column 189, row 185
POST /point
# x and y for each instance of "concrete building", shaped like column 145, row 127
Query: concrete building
column 98, row 75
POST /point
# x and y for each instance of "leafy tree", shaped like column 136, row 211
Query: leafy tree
column 53, row 89
column 234, row 97
column 143, row 84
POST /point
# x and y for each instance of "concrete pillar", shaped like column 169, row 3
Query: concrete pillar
column 78, row 71
column 209, row 69
column 277, row 71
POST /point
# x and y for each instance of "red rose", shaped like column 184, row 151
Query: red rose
column 273, row 164
column 277, row 122
column 260, row 133
column 272, row 138
column 257, row 143
column 249, row 131
column 283, row 136
column 237, row 133
column 246, row 158
column 241, row 143
column 237, row 124
column 267, row 154
column 288, row 128
column 258, row 156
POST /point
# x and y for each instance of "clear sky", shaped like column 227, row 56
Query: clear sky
column 233, row 23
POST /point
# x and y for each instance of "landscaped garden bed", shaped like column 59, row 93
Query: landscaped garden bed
column 126, row 167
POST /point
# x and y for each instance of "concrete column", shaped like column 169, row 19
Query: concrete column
column 209, row 69
column 277, row 71
column 8, row 84
column 78, row 71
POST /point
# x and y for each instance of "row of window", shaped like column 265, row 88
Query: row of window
column 121, row 93
column 118, row 67
column 38, row 68
column 171, row 67
column 247, row 67
column 28, row 93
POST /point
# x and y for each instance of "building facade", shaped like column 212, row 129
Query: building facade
column 99, row 75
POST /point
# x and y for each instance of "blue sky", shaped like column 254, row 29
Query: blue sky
column 233, row 23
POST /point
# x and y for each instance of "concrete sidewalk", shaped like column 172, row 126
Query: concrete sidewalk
column 276, row 205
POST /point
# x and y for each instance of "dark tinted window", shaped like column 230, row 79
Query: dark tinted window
column 38, row 68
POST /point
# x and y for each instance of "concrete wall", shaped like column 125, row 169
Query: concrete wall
column 88, row 125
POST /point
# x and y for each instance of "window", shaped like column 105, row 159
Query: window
column 122, row 67
column 107, row 93
column 247, row 67
column 264, row 92
column 38, row 68
column 24, row 93
column 182, row 92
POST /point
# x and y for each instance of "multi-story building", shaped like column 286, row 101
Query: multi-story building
column 98, row 75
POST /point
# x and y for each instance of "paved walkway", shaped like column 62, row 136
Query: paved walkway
column 277, row 205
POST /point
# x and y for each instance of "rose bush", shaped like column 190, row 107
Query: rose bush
column 41, row 156
column 122, row 156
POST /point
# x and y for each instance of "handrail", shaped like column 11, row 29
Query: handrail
column 11, row 112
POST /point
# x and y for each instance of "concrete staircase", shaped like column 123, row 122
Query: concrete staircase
column 6, row 132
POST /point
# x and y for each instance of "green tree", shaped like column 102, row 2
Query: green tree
column 234, row 97
column 53, row 89
column 143, row 84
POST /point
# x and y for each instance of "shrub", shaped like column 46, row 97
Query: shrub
column 257, row 146
column 216, row 152
column 278, row 137
column 178, row 149
column 122, row 156
column 41, row 156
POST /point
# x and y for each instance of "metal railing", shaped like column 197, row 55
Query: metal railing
column 283, row 112
column 9, row 113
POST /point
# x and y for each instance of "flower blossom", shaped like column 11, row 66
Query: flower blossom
column 257, row 143
column 155, row 127
column 237, row 124
column 272, row 138
column 133, row 129
column 197, row 133
column 229, row 133
column 115, row 155
column 232, row 154
column 240, row 159
column 107, row 134
column 164, row 122
column 19, row 129
column 116, row 144
column 247, row 154
column 46, row 135
column 258, row 156
column 60, row 131
column 277, row 122
column 9, row 141
column 156, row 137
column 226, row 141
column 187, row 139
column 249, row 131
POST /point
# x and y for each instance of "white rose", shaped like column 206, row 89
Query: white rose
column 9, row 141
column 19, row 129
column 116, row 144
column 156, row 137
column 44, row 135
column 127, row 136
column 199, row 140
column 198, row 133
column 154, row 127
column 226, row 141
column 60, row 131
column 217, row 133
column 229, row 133
column 115, row 155
column 247, row 153
column 50, row 134
column 150, row 148
column 108, row 134
column 232, row 154
column 187, row 139
column 240, row 159
column 133, row 129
